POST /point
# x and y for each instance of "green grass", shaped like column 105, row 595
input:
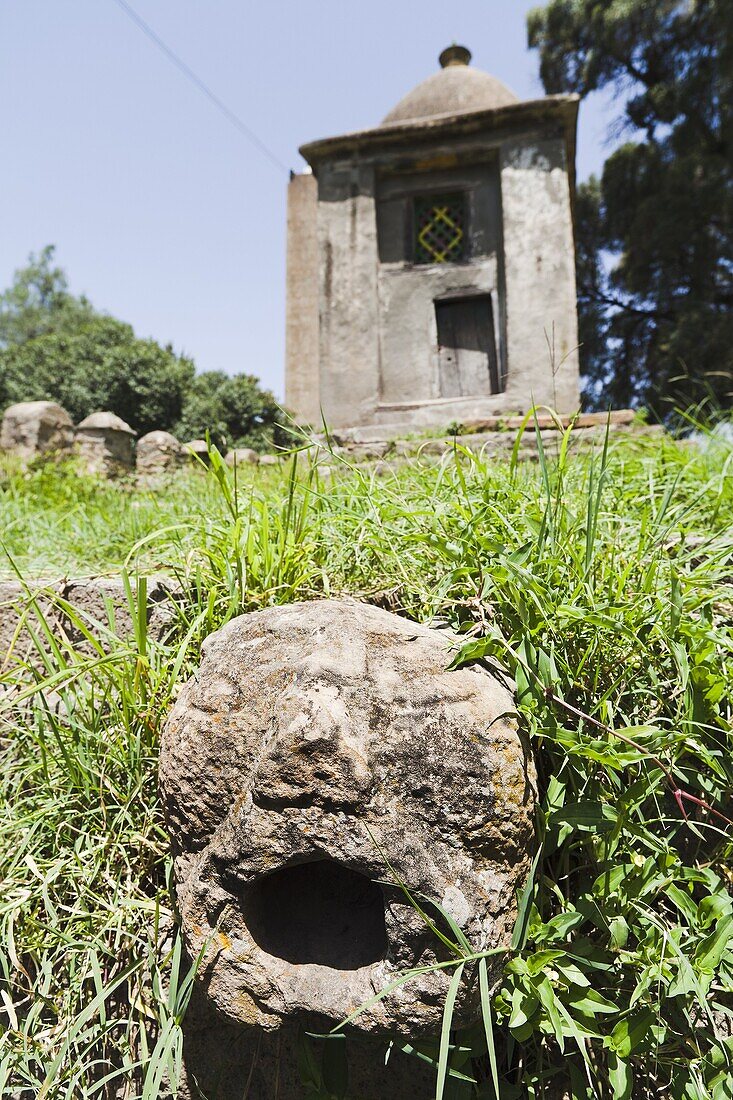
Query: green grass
column 603, row 583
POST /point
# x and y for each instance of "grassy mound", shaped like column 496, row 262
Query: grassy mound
column 602, row 582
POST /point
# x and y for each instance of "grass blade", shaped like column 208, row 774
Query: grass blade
column 445, row 1030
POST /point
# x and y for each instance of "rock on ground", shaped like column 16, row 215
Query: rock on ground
column 198, row 452
column 34, row 428
column 98, row 605
column 316, row 742
column 105, row 445
column 222, row 1062
column 242, row 456
column 159, row 453
column 21, row 607
column 103, row 602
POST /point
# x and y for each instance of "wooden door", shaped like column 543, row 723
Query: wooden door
column 466, row 347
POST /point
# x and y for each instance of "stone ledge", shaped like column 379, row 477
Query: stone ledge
column 100, row 599
column 386, row 433
column 585, row 433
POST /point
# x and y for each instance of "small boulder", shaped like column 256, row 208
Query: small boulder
column 105, row 444
column 198, row 451
column 159, row 453
column 103, row 601
column 35, row 428
column 242, row 456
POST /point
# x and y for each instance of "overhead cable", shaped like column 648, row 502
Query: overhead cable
column 188, row 72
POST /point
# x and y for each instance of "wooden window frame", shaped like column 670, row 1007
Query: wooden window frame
column 412, row 229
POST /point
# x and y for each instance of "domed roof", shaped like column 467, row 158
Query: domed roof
column 106, row 421
column 455, row 89
column 158, row 438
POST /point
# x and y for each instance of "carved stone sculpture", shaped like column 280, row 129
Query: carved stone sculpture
column 322, row 752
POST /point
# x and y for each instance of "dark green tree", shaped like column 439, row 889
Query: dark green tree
column 655, row 234
column 56, row 346
column 99, row 365
column 39, row 302
column 234, row 410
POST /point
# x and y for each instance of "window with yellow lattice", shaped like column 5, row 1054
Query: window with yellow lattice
column 439, row 228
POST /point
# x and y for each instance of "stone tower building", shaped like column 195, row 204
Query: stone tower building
column 431, row 272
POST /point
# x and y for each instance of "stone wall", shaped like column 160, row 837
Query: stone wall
column 539, row 276
column 302, row 390
column 103, row 444
column 348, row 309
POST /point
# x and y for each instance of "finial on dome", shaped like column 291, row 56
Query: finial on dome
column 454, row 55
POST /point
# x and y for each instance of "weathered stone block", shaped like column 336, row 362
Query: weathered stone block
column 223, row 1062
column 159, row 453
column 105, row 444
column 21, row 608
column 98, row 604
column 34, row 428
column 104, row 601
column 242, row 456
column 198, row 451
column 315, row 742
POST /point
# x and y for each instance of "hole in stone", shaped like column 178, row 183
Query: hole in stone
column 320, row 912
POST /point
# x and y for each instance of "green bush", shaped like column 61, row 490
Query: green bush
column 100, row 365
column 234, row 410
column 54, row 346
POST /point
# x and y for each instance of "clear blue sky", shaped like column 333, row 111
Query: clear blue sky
column 162, row 214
